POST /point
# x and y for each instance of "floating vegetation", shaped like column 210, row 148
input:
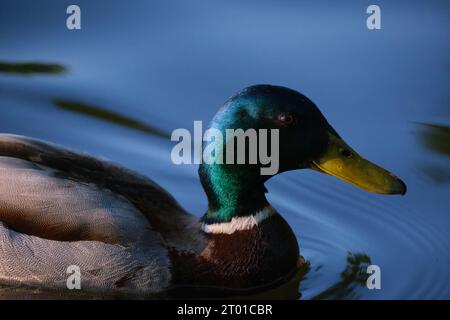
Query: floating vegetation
column 109, row 116
column 29, row 68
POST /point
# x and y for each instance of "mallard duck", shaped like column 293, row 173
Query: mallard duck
column 60, row 208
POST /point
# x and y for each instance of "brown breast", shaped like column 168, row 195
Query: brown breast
column 266, row 254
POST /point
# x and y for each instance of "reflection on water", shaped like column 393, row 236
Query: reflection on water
column 109, row 116
column 167, row 66
column 352, row 277
column 437, row 138
column 28, row 68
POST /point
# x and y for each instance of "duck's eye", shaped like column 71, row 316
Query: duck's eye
column 345, row 153
column 286, row 118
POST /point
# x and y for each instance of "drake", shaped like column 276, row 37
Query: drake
column 60, row 208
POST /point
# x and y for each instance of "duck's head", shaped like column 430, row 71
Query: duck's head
column 306, row 140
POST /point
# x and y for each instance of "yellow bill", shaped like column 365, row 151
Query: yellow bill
column 343, row 162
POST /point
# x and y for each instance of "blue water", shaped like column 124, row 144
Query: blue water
column 168, row 63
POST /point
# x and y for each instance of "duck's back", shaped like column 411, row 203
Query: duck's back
column 60, row 208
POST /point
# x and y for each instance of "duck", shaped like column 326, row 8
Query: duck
column 126, row 234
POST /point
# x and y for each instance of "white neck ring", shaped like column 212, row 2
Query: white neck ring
column 239, row 223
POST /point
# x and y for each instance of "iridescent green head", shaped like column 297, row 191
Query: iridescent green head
column 305, row 140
